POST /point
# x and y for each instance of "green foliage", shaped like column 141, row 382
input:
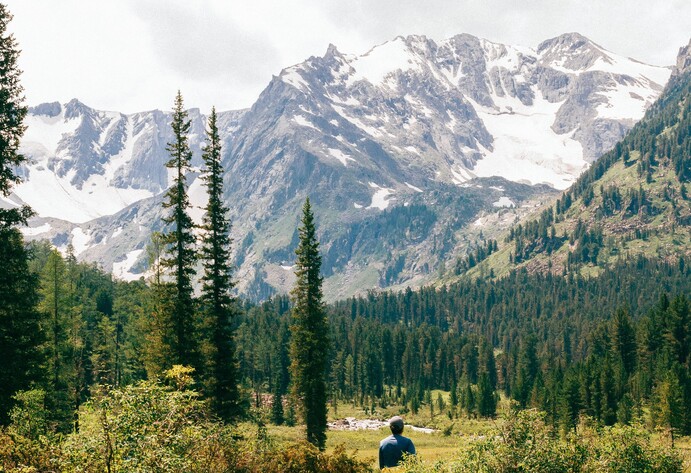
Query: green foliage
column 12, row 113
column 301, row 458
column 180, row 253
column 217, row 304
column 143, row 428
column 149, row 427
column 29, row 416
column 310, row 333
column 525, row 443
column 21, row 337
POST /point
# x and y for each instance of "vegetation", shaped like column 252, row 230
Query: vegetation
column 20, row 336
column 105, row 375
column 310, row 334
column 217, row 302
column 180, row 253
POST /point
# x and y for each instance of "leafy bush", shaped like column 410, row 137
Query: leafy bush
column 526, row 444
column 150, row 427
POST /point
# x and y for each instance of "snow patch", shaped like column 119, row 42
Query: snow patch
column 33, row 231
column 416, row 189
column 625, row 101
column 504, row 202
column 199, row 198
column 540, row 156
column 122, row 269
column 53, row 196
column 341, row 156
column 302, row 121
column 80, row 241
column 381, row 61
column 380, row 198
column 43, row 134
column 461, row 176
column 293, row 77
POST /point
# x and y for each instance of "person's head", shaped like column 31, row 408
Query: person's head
column 396, row 425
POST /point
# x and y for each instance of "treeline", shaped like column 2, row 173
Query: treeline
column 608, row 347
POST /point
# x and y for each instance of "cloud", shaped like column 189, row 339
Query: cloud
column 133, row 55
column 206, row 43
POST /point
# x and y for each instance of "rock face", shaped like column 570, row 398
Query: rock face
column 684, row 59
column 401, row 149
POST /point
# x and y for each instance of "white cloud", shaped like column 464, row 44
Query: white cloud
column 133, row 55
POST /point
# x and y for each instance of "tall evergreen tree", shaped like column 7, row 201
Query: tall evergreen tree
column 12, row 113
column 310, row 343
column 218, row 304
column 20, row 334
column 56, row 303
column 180, row 253
column 486, row 399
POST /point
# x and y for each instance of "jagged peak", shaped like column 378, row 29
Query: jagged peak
column 567, row 42
column 332, row 51
column 74, row 108
column 48, row 109
column 684, row 59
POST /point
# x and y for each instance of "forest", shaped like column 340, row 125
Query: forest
column 175, row 372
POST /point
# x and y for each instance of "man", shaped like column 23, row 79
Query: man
column 392, row 448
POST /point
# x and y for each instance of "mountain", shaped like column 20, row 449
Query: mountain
column 406, row 151
column 634, row 201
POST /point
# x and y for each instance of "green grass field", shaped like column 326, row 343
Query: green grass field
column 444, row 444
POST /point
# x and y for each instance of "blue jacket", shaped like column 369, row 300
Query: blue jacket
column 391, row 450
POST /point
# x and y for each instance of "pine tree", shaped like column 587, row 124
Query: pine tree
column 56, row 304
column 486, row 400
column 20, row 334
column 218, row 304
column 310, row 342
column 156, row 328
column 12, row 113
column 180, row 254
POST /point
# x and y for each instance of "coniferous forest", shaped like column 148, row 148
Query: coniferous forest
column 174, row 372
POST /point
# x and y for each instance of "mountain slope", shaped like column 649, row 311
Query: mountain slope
column 406, row 151
column 634, row 201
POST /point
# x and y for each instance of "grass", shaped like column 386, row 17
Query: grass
column 430, row 447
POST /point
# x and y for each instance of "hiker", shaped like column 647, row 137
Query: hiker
column 392, row 448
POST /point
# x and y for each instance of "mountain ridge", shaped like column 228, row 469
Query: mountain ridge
column 362, row 140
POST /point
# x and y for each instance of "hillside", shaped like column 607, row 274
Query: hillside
column 633, row 201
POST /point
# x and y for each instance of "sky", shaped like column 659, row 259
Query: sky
column 133, row 55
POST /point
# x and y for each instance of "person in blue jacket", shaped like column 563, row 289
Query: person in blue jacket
column 392, row 448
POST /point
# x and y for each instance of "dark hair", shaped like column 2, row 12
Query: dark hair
column 396, row 425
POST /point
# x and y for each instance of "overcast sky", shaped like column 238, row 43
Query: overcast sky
column 133, row 55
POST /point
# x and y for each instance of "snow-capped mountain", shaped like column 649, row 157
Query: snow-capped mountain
column 397, row 148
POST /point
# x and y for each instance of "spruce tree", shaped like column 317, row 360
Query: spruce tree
column 12, row 113
column 20, row 334
column 310, row 342
column 180, row 253
column 486, row 400
column 218, row 304
column 56, row 303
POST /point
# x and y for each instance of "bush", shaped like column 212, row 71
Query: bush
column 526, row 444
column 149, row 427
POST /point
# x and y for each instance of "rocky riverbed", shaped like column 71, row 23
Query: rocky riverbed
column 352, row 423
